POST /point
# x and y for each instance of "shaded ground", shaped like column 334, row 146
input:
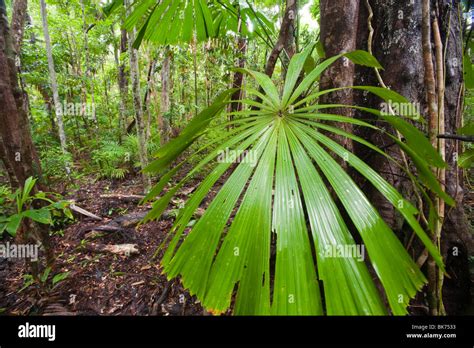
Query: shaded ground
column 100, row 282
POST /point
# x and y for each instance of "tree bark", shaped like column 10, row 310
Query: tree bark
column 397, row 44
column 285, row 42
column 339, row 35
column 18, row 26
column 16, row 145
column 456, row 240
column 21, row 158
column 18, row 23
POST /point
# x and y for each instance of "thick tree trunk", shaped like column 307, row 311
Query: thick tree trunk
column 338, row 35
column 397, row 44
column 456, row 239
column 54, row 84
column 18, row 26
column 21, row 159
column 16, row 145
column 18, row 23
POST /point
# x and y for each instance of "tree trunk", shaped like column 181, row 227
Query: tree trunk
column 338, row 36
column 87, row 63
column 238, row 76
column 18, row 26
column 122, row 82
column 137, row 102
column 455, row 235
column 163, row 121
column 285, row 42
column 21, row 157
column 397, row 44
column 16, row 145
column 54, row 84
column 18, row 23
column 147, row 97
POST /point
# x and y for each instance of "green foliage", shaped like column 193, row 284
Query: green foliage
column 278, row 193
column 19, row 205
column 52, row 163
column 113, row 160
column 172, row 22
column 44, row 280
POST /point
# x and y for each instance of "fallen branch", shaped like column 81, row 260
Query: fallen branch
column 118, row 249
column 79, row 210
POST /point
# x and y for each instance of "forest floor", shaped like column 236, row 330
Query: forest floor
column 102, row 283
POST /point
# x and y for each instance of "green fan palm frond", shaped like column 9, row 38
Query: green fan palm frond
column 269, row 234
column 176, row 21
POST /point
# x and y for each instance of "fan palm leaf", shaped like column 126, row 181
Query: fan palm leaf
column 267, row 236
column 175, row 21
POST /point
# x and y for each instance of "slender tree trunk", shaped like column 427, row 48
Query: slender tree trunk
column 49, row 107
column 285, row 42
column 137, row 102
column 147, row 97
column 87, row 63
column 165, row 98
column 122, row 82
column 238, row 76
column 106, row 86
column 54, row 84
column 194, row 47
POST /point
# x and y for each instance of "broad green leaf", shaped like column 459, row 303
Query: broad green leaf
column 42, row 216
column 13, row 224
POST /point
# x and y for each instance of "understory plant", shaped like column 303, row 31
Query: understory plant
column 20, row 205
column 113, row 160
column 263, row 245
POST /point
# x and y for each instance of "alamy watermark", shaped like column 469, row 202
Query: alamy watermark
column 19, row 251
column 237, row 156
column 76, row 109
column 410, row 110
column 353, row 251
